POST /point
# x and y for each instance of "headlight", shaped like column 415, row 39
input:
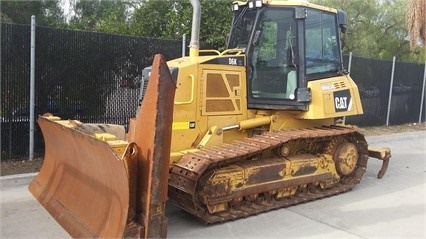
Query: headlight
column 255, row 4
column 258, row 3
column 251, row 5
column 235, row 7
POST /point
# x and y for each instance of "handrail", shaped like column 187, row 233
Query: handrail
column 192, row 92
column 237, row 50
column 210, row 50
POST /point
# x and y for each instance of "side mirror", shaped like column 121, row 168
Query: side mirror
column 342, row 20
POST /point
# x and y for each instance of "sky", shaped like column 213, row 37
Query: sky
column 66, row 7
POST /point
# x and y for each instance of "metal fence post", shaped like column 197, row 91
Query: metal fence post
column 423, row 95
column 183, row 45
column 349, row 73
column 350, row 63
column 390, row 90
column 32, row 88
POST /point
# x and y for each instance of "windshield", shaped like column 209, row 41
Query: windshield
column 322, row 49
column 241, row 29
column 272, row 57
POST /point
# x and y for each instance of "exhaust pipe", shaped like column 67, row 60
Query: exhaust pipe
column 194, row 44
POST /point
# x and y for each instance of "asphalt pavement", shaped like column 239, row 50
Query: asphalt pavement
column 391, row 207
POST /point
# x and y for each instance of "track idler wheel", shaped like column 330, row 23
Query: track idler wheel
column 345, row 158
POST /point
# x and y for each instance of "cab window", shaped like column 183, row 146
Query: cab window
column 273, row 72
column 321, row 43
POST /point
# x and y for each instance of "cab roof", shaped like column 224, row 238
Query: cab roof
column 293, row 3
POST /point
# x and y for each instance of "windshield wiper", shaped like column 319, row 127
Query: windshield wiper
column 239, row 17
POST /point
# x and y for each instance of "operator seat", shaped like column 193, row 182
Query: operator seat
column 291, row 85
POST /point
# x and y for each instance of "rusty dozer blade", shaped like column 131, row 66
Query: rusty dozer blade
column 98, row 186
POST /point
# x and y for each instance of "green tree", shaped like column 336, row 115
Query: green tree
column 101, row 16
column 47, row 13
column 171, row 19
column 376, row 29
column 168, row 19
column 216, row 19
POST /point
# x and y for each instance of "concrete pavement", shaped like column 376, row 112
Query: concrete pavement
column 393, row 207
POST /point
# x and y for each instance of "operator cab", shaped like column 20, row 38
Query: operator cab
column 273, row 37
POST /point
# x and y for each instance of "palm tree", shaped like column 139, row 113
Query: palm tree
column 416, row 22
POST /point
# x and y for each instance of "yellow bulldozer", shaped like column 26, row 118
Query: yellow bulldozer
column 223, row 135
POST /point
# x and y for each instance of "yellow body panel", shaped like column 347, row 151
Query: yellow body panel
column 196, row 109
column 333, row 97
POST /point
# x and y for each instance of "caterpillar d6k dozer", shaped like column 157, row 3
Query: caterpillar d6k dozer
column 243, row 131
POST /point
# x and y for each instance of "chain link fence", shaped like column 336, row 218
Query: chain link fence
column 374, row 78
column 96, row 77
column 90, row 76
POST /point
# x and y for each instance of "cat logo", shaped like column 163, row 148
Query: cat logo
column 342, row 101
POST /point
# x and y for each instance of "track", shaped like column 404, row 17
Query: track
column 184, row 188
